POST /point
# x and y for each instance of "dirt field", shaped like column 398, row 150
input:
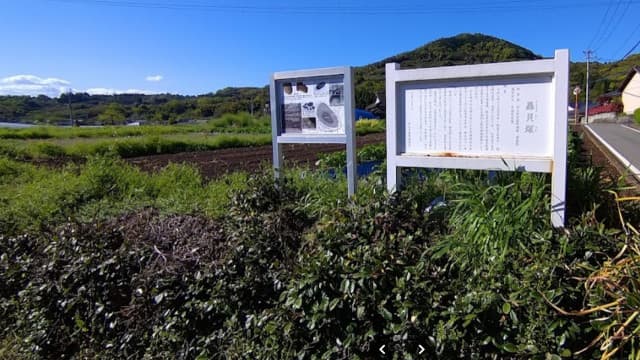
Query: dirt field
column 215, row 163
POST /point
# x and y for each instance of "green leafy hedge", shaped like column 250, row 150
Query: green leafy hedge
column 275, row 278
column 465, row 265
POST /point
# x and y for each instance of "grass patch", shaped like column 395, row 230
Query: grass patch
column 34, row 198
column 128, row 146
column 242, row 123
column 338, row 159
column 228, row 123
column 229, row 131
column 370, row 126
column 57, row 132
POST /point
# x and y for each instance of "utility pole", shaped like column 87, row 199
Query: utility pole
column 70, row 111
column 588, row 54
column 576, row 92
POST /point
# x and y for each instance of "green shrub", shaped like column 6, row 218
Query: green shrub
column 338, row 159
column 115, row 287
column 147, row 285
column 366, row 276
column 369, row 126
column 49, row 150
column 241, row 122
column 636, row 116
column 466, row 265
column 34, row 197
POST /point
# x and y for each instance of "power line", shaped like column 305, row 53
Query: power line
column 600, row 26
column 630, row 51
column 588, row 54
column 496, row 6
column 615, row 25
column 631, row 35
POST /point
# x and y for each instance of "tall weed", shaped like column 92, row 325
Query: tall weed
column 482, row 222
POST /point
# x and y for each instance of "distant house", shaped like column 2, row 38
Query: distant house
column 630, row 90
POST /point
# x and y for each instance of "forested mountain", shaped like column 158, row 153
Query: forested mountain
column 463, row 49
column 369, row 79
column 603, row 77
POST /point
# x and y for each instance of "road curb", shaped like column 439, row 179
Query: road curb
column 633, row 171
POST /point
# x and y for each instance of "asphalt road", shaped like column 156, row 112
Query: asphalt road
column 623, row 138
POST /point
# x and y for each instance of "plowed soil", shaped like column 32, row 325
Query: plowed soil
column 215, row 163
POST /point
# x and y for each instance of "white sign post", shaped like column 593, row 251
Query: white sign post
column 504, row 116
column 314, row 107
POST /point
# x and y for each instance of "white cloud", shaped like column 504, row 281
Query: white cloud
column 107, row 91
column 154, row 78
column 32, row 85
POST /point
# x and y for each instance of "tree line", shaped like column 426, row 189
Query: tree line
column 86, row 109
column 463, row 49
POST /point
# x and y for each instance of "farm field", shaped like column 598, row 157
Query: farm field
column 135, row 257
column 230, row 131
column 129, row 146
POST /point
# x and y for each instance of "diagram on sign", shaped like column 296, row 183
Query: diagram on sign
column 313, row 106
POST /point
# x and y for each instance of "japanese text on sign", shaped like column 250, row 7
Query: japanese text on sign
column 469, row 119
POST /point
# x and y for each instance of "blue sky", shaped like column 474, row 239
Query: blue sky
column 195, row 47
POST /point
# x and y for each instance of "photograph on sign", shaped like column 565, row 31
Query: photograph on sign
column 495, row 117
column 313, row 106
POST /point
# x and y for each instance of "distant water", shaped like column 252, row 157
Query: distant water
column 14, row 125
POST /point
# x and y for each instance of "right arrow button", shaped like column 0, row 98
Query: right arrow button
column 421, row 349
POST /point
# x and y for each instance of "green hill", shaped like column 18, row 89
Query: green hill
column 463, row 49
column 603, row 77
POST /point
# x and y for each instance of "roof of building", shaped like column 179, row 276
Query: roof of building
column 634, row 70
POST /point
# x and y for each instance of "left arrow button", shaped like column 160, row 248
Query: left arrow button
column 382, row 349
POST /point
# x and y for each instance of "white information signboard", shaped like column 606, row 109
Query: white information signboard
column 505, row 116
column 314, row 106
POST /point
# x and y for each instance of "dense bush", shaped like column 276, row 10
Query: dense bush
column 636, row 116
column 114, row 290
column 375, row 274
column 146, row 285
column 338, row 159
column 464, row 265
